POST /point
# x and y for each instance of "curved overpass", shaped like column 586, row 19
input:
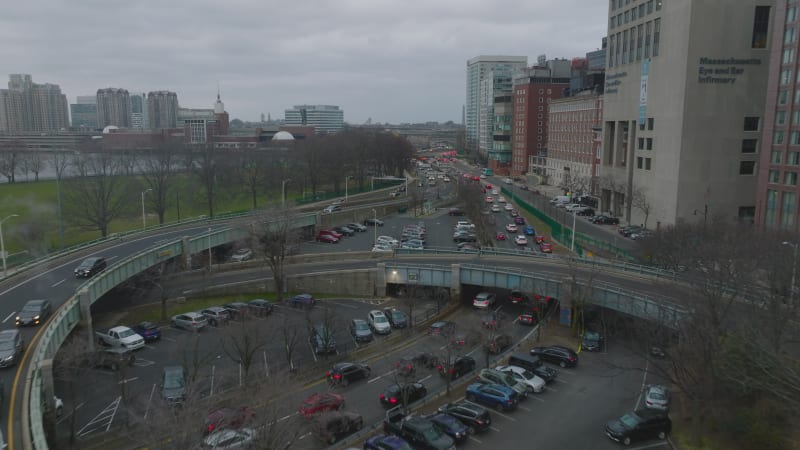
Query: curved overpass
column 550, row 276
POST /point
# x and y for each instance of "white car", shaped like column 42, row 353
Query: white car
column 512, row 228
column 388, row 240
column 508, row 180
column 446, row 179
column 382, row 248
column 495, row 208
column 331, row 208
column 241, row 255
column 495, row 192
column 464, row 223
column 378, row 322
column 526, row 377
column 572, row 206
column 501, row 199
column 508, row 207
column 521, row 240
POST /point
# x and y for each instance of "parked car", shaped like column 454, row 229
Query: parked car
column 493, row 395
column 322, row 340
column 592, row 341
column 386, row 442
column 497, row 344
column 563, row 356
column 455, row 212
column 378, row 322
column 241, row 255
column 119, row 336
column 148, row 331
column 33, row 312
column 527, row 318
column 173, row 384
column 657, row 397
column 387, row 240
column 373, row 222
column 533, row 383
column 639, row 425
column 397, row 318
column 11, row 347
column 192, row 321
column 533, row 364
column 382, row 248
column 460, row 366
column 402, row 393
column 442, row 328
column 493, row 376
column 320, row 402
column 589, row 212
column 357, row 227
column 449, row 425
column 237, row 310
column 546, row 247
column 475, row 417
column 216, row 315
column 346, row 372
column 228, row 438
column 90, row 266
column 227, row 418
column 605, row 220
column 330, row 232
column 360, row 330
column 327, row 238
column 304, row 301
column 260, row 307
column 332, row 426
column 484, row 300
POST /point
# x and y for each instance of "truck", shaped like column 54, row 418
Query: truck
column 120, row 336
column 421, row 433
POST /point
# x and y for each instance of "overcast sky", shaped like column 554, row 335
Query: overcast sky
column 392, row 61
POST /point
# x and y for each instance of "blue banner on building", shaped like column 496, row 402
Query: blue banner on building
column 643, row 91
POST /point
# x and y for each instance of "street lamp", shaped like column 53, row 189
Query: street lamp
column 375, row 226
column 794, row 269
column 345, row 186
column 144, row 216
column 3, row 245
column 283, row 192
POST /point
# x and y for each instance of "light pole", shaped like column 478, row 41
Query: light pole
column 375, row 226
column 209, row 249
column 572, row 246
column 283, row 192
column 3, row 245
column 794, row 269
column 144, row 216
column 345, row 186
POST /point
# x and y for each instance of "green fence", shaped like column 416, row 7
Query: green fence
column 328, row 195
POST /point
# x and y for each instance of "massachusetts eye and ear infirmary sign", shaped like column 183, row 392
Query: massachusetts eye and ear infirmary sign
column 723, row 70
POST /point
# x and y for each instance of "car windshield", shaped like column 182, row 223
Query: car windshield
column 173, row 381
column 362, row 326
column 431, row 434
column 126, row 333
column 591, row 336
column 629, row 420
column 6, row 344
column 526, row 374
column 398, row 315
column 657, row 395
column 380, row 319
column 31, row 308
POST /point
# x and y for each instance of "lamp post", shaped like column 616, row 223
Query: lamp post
column 345, row 186
column 794, row 270
column 209, row 249
column 144, row 216
column 3, row 245
column 375, row 226
column 283, row 192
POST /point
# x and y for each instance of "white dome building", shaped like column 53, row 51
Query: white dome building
column 283, row 136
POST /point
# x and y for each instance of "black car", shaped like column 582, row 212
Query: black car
column 604, row 220
column 586, row 212
column 402, row 393
column 360, row 330
column 334, row 425
column 592, row 341
column 373, row 222
column 90, row 267
column 322, row 340
column 450, row 426
column 475, row 417
column 639, row 425
column 407, row 365
column 534, row 364
column 33, row 313
column 563, row 356
column 497, row 344
column 237, row 310
column 456, row 212
column 397, row 318
column 260, row 307
column 344, row 373
column 462, row 365
column 344, row 230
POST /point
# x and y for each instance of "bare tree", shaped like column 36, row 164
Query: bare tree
column 640, row 201
column 252, row 171
column 97, row 194
column 243, row 343
column 206, row 164
column 31, row 161
column 159, row 169
column 275, row 238
column 196, row 357
column 10, row 155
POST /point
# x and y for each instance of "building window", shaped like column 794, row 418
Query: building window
column 786, row 76
column 631, row 55
column 783, row 97
column 780, row 117
column 791, row 14
column 775, row 157
column 751, row 123
column 787, row 211
column 650, row 6
column 647, row 163
column 625, row 46
column 651, row 123
column 774, row 176
column 639, row 39
column 641, row 10
column 633, row 14
column 794, row 138
column 749, row 145
column 647, row 28
column 789, row 36
column 790, row 178
column 641, row 143
column 619, row 45
column 658, row 5
column 639, row 162
column 788, row 56
column 747, row 167
column 771, row 209
column 760, row 27
column 627, row 16
column 793, row 159
column 649, row 143
column 656, row 35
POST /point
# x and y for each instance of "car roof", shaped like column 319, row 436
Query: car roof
column 35, row 302
column 8, row 334
column 359, row 321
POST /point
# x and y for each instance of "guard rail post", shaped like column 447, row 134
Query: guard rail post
column 455, row 281
column 86, row 313
column 380, row 280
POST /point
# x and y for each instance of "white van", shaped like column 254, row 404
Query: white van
column 560, row 199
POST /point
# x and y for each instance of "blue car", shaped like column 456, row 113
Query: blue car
column 529, row 230
column 493, row 395
column 450, row 426
column 148, row 330
column 305, row 301
column 384, row 442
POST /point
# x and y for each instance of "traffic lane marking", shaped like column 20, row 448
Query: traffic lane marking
column 9, row 316
column 58, row 283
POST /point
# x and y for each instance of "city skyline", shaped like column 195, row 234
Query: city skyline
column 392, row 62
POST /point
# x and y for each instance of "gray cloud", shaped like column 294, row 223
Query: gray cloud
column 391, row 60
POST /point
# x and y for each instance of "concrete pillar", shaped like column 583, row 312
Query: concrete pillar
column 455, row 282
column 48, row 391
column 187, row 255
column 86, row 316
column 380, row 280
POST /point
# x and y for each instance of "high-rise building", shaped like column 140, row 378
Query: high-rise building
column 27, row 106
column 683, row 107
column 84, row 112
column 324, row 118
column 113, row 108
column 162, row 109
column 779, row 149
column 534, row 87
column 139, row 111
column 478, row 68
column 496, row 83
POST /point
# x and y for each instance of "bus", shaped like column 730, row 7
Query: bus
column 487, row 171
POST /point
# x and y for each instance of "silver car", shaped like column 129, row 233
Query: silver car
column 11, row 347
column 230, row 439
column 192, row 321
column 656, row 397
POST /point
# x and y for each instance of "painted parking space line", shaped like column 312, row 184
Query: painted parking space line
column 536, row 397
column 102, row 420
column 140, row 362
column 654, row 445
column 524, row 408
column 475, row 440
column 561, row 381
column 128, row 380
column 286, row 417
column 495, row 429
column 548, row 388
column 68, row 414
column 495, row 412
column 344, row 305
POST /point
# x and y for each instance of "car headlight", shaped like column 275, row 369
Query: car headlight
column 36, row 317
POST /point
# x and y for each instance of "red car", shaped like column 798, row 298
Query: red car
column 333, row 233
column 527, row 318
column 517, row 297
column 500, row 236
column 546, row 247
column 321, row 402
column 476, row 178
column 488, row 186
column 327, row 238
column 228, row 418
column 538, row 239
